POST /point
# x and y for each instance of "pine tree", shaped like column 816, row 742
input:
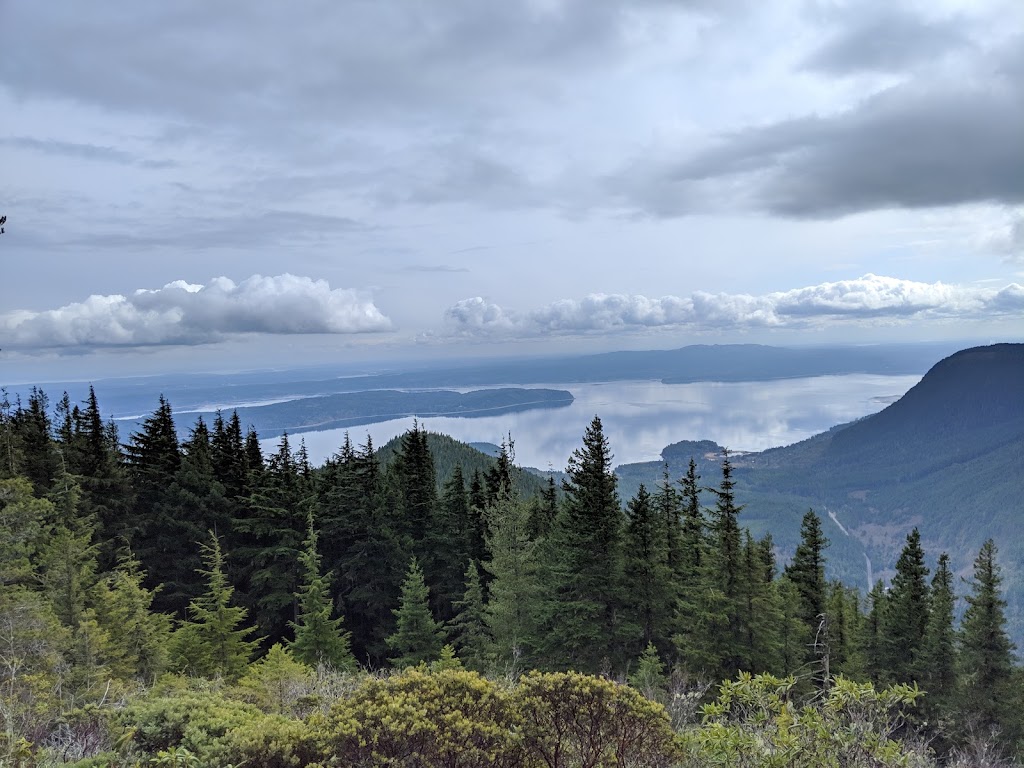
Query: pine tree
column 361, row 547
column 448, row 541
column 213, row 642
column 807, row 572
column 726, row 570
column 872, row 636
column 418, row 637
column 988, row 699
column 270, row 536
column 513, row 606
column 469, row 629
column 906, row 616
column 319, row 639
column 939, row 653
column 138, row 635
column 647, row 575
column 585, row 562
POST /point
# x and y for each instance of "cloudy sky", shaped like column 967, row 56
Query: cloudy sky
column 217, row 185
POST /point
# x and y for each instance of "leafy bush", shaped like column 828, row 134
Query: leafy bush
column 569, row 720
column 452, row 718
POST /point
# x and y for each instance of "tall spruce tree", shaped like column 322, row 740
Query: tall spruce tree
column 906, row 617
column 725, row 568
column 214, row 641
column 511, row 613
column 807, row 573
column 469, row 629
column 585, row 563
column 319, row 638
column 417, row 638
column 988, row 698
column 647, row 575
column 939, row 654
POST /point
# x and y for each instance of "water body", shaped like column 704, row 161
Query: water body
column 642, row 417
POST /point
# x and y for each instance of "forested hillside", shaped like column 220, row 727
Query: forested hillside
column 169, row 600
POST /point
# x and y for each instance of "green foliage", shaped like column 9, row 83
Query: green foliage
column 585, row 562
column 569, row 719
column 986, row 650
column 418, row 638
column 417, row 718
column 469, row 629
column 754, row 723
column 277, row 681
column 905, row 620
column 513, row 606
column 213, row 642
column 319, row 639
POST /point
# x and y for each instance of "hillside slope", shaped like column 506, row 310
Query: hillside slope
column 948, row 457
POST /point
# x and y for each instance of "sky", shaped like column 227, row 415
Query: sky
column 219, row 186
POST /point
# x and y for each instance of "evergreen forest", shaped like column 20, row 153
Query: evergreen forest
column 194, row 602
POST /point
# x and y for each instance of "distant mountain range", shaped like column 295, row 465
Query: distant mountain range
column 948, row 457
column 128, row 398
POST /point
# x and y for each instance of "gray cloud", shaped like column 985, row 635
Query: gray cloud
column 442, row 268
column 869, row 298
column 912, row 146
column 181, row 313
column 889, row 39
column 74, row 149
column 257, row 228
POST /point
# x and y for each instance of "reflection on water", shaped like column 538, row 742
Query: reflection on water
column 642, row 417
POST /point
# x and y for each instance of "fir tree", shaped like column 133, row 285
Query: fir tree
column 647, row 575
column 807, row 573
column 906, row 616
column 585, row 562
column 988, row 699
column 319, row 639
column 213, row 643
column 513, row 606
column 726, row 572
column 939, row 653
column 469, row 629
column 418, row 637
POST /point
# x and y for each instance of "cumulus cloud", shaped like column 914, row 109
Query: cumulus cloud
column 871, row 297
column 184, row 313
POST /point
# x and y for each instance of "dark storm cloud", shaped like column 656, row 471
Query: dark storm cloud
column 201, row 60
column 888, row 40
column 916, row 145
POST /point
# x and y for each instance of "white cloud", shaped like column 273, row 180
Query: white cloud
column 184, row 313
column 868, row 298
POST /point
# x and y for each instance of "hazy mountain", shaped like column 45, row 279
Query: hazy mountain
column 948, row 456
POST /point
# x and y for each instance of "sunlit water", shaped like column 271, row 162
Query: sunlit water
column 642, row 417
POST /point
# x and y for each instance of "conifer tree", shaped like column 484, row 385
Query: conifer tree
column 807, row 573
column 939, row 654
column 361, row 547
column 469, row 628
column 989, row 700
column 418, row 637
column 906, row 616
column 214, row 641
column 647, row 576
column 726, row 571
column 138, row 635
column 511, row 613
column 448, row 543
column 762, row 613
column 872, row 636
column 585, row 562
column 319, row 639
